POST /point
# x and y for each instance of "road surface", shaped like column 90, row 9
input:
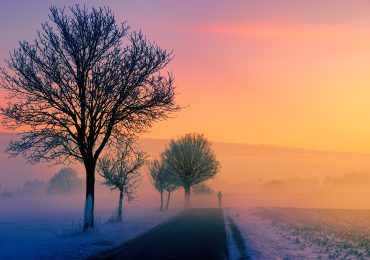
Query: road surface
column 193, row 234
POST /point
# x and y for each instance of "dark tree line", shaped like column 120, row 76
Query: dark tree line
column 85, row 83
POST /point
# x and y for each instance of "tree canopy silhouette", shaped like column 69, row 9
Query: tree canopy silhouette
column 84, row 83
column 192, row 159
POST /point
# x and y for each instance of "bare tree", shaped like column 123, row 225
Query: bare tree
column 84, row 82
column 171, row 183
column 192, row 159
column 121, row 172
column 163, row 179
column 65, row 181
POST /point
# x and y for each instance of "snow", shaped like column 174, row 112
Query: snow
column 88, row 209
column 51, row 227
column 231, row 244
column 262, row 241
column 56, row 234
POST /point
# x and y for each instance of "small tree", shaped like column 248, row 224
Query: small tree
column 65, row 181
column 84, row 83
column 171, row 183
column 121, row 172
column 163, row 179
column 192, row 159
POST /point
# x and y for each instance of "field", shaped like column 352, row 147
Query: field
column 328, row 233
column 55, row 233
column 46, row 229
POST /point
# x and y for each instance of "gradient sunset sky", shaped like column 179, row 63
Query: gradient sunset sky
column 289, row 73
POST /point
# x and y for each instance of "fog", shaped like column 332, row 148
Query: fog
column 250, row 176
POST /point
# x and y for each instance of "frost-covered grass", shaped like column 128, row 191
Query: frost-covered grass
column 235, row 241
column 340, row 234
column 58, row 234
column 262, row 240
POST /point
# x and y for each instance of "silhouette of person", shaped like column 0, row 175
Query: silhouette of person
column 219, row 196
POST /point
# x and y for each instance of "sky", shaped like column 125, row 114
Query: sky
column 289, row 73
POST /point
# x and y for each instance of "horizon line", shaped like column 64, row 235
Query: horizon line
column 276, row 146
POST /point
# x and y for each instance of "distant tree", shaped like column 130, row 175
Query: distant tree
column 349, row 180
column 7, row 194
column 121, row 172
column 202, row 189
column 34, row 187
column 157, row 178
column 4, row 192
column 171, row 183
column 275, row 185
column 65, row 181
column 85, row 82
column 192, row 159
column 163, row 179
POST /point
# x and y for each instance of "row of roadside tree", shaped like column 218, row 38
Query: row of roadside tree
column 186, row 161
column 87, row 84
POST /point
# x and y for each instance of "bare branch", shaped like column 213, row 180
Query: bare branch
column 85, row 82
column 121, row 171
column 192, row 159
column 162, row 176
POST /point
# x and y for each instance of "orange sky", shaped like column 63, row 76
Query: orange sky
column 274, row 72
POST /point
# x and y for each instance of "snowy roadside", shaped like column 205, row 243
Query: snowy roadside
column 236, row 248
column 57, row 235
column 262, row 241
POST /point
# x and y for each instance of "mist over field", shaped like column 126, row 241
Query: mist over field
column 195, row 129
column 250, row 176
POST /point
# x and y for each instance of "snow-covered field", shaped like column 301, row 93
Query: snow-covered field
column 49, row 230
column 288, row 233
column 56, row 233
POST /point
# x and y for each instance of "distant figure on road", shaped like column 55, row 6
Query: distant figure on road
column 219, row 196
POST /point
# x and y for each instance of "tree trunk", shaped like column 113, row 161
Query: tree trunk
column 161, row 208
column 187, row 196
column 119, row 216
column 89, row 202
column 168, row 200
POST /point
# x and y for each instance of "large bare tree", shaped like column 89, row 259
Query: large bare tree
column 192, row 159
column 121, row 172
column 84, row 82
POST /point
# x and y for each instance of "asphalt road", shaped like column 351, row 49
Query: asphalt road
column 193, row 234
